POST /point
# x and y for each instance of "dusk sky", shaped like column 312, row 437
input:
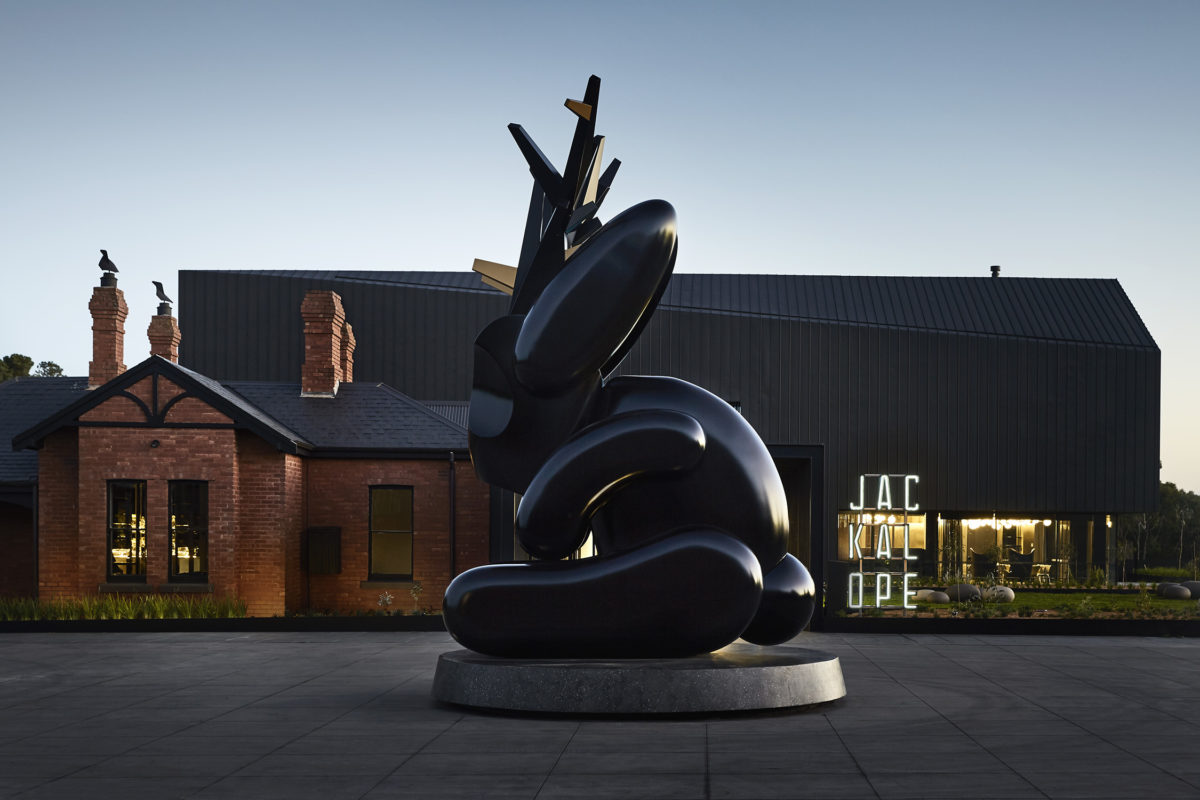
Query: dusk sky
column 1056, row 139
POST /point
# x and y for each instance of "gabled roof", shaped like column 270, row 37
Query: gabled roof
column 243, row 414
column 23, row 403
column 362, row 418
column 1086, row 310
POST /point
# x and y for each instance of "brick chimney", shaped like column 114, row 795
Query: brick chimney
column 348, row 343
column 108, row 331
column 328, row 344
column 164, row 334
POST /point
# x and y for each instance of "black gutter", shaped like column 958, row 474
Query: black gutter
column 453, row 514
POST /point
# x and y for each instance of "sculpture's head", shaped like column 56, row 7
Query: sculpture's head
column 581, row 293
column 536, row 373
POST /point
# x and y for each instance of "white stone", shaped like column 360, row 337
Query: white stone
column 1173, row 591
column 999, row 594
column 963, row 592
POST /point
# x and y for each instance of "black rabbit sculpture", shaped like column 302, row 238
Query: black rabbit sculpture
column 686, row 509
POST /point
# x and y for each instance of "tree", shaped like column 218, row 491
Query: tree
column 14, row 365
column 48, row 369
column 1183, row 514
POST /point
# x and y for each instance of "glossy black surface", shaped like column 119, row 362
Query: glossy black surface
column 787, row 604
column 631, row 604
column 686, row 509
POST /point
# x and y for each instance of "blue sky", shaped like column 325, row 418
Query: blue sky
column 1057, row 139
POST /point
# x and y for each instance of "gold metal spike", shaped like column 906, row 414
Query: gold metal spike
column 581, row 109
column 589, row 193
column 498, row 276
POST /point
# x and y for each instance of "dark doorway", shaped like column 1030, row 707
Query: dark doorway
column 802, row 470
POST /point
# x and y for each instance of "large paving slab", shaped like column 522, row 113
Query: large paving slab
column 349, row 715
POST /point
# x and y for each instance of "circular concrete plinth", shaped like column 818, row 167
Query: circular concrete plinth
column 735, row 678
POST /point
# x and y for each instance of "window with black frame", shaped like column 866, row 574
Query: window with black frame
column 391, row 537
column 127, row 530
column 188, row 510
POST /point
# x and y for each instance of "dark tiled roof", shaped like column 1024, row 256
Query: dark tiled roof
column 243, row 414
column 247, row 408
column 1066, row 309
column 457, row 411
column 363, row 416
column 23, row 403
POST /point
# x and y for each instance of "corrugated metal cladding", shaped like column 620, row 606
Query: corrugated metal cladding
column 239, row 326
column 989, row 422
column 1032, row 395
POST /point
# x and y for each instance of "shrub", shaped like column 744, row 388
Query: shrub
column 115, row 606
column 1158, row 574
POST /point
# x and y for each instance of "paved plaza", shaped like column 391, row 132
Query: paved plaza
column 348, row 715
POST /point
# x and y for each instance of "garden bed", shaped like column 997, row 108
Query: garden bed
column 1123, row 611
column 427, row 622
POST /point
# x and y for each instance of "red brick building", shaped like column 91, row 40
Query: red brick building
column 324, row 495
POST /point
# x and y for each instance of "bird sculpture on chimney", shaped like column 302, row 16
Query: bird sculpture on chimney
column 106, row 263
column 161, row 294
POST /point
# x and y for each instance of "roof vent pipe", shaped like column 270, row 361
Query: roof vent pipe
column 995, row 270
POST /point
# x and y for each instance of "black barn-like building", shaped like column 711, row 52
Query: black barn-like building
column 1027, row 408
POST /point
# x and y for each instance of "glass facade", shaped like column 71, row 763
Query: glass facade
column 1049, row 550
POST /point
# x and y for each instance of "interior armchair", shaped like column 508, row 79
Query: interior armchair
column 1021, row 565
column 982, row 564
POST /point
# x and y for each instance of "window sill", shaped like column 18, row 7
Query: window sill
column 122, row 587
column 185, row 588
column 402, row 584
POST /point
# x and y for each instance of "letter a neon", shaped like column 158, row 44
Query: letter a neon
column 885, row 493
column 883, row 543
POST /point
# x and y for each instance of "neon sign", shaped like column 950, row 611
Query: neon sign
column 878, row 528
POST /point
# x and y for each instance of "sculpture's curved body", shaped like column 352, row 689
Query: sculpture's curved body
column 685, row 506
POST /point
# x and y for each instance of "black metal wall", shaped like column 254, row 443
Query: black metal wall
column 246, row 326
column 989, row 422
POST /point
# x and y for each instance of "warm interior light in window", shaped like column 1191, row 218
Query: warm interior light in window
column 891, row 519
column 1047, row 522
column 976, row 524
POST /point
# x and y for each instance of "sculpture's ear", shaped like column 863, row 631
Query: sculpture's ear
column 491, row 407
column 593, row 309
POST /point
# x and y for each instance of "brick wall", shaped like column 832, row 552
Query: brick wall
column 126, row 454
column 472, row 519
column 195, row 410
column 339, row 494
column 264, row 525
column 58, row 516
column 260, row 502
column 115, row 409
column 294, row 512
